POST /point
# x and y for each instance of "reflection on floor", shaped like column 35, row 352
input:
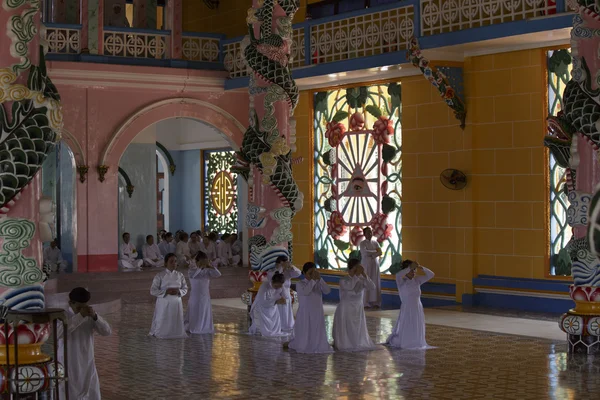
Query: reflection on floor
column 467, row 364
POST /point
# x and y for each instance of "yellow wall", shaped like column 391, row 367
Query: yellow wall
column 228, row 19
column 497, row 225
column 302, row 226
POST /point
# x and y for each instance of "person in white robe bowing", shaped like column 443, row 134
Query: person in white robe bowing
column 224, row 256
column 349, row 323
column 237, row 246
column 128, row 258
column 168, row 286
column 310, row 335
column 264, row 312
column 53, row 258
column 83, row 322
column 370, row 251
column 194, row 244
column 207, row 246
column 184, row 258
column 409, row 331
column 286, row 311
column 167, row 245
column 199, row 315
column 151, row 254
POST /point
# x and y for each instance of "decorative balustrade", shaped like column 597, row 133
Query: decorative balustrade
column 363, row 33
column 136, row 43
column 63, row 39
column 442, row 16
column 201, row 47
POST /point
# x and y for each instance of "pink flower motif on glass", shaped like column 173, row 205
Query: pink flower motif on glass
column 381, row 229
column 382, row 130
column 356, row 236
column 336, row 226
column 357, row 121
column 335, row 133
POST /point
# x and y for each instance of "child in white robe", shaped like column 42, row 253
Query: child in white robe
column 409, row 331
column 349, row 323
column 168, row 286
column 128, row 259
column 151, row 254
column 370, row 251
column 83, row 321
column 53, row 258
column 264, row 312
column 310, row 335
column 184, row 257
column 199, row 317
column 286, row 311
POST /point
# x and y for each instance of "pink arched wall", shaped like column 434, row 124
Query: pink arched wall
column 105, row 107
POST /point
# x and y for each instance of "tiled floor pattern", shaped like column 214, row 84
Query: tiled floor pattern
column 466, row 364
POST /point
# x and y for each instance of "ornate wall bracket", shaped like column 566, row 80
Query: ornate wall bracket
column 82, row 170
column 129, row 185
column 450, row 94
column 165, row 152
column 102, row 170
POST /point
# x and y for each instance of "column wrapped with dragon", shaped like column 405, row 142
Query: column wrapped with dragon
column 265, row 156
column 574, row 140
column 30, row 125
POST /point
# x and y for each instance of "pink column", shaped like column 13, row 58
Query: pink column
column 174, row 24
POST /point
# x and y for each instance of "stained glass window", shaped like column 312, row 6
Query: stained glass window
column 559, row 72
column 358, row 173
column 220, row 191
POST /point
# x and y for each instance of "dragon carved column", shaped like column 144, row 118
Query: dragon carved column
column 265, row 156
column 30, row 123
column 574, row 140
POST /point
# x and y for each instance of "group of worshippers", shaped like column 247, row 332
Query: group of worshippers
column 222, row 251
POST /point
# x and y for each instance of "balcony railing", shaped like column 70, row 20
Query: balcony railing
column 363, row 33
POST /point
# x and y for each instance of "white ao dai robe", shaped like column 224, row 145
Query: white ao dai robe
column 128, row 258
column 199, row 320
column 369, row 259
column 409, row 331
column 349, row 323
column 184, row 257
column 83, row 377
column 195, row 247
column 151, row 253
column 286, row 311
column 264, row 312
column 210, row 250
column 167, row 322
column 53, row 259
column 167, row 247
column 310, row 335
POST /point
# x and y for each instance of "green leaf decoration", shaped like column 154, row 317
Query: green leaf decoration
column 563, row 262
column 329, row 204
column 388, row 153
column 343, row 246
column 327, row 158
column 340, row 116
column 374, row 111
column 321, row 102
column 559, row 62
column 388, row 204
column 321, row 258
column 354, row 254
column 394, row 90
column 357, row 96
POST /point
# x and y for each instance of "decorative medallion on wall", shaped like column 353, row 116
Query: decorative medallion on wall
column 358, row 173
column 220, row 191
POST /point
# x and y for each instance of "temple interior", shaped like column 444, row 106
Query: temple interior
column 168, row 166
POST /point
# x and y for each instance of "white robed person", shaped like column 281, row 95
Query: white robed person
column 264, row 313
column 151, row 254
column 370, row 251
column 409, row 331
column 194, row 244
column 83, row 323
column 208, row 247
column 349, row 323
column 167, row 245
column 168, row 286
column 184, row 257
column 199, row 313
column 53, row 258
column 128, row 255
column 286, row 311
column 310, row 335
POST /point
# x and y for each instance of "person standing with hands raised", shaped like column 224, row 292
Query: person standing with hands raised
column 286, row 312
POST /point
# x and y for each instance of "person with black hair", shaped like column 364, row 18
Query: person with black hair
column 184, row 256
column 83, row 321
column 370, row 251
column 349, row 323
column 167, row 245
column 310, row 335
column 208, row 247
column 151, row 254
column 264, row 313
column 194, row 245
column 168, row 286
column 199, row 314
column 286, row 311
column 128, row 257
column 409, row 331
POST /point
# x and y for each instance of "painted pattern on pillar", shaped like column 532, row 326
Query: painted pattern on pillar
column 358, row 167
column 265, row 157
column 220, row 191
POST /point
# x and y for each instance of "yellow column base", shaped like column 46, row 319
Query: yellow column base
column 28, row 354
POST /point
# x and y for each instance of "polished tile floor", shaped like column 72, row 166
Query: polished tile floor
column 467, row 364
